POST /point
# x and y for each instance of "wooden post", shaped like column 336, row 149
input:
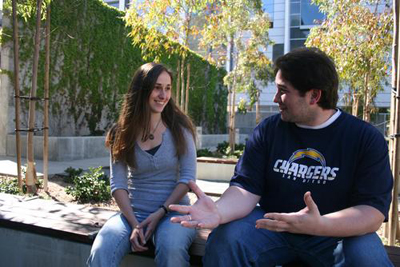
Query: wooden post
column 46, row 103
column 17, row 93
column 31, row 170
column 394, row 141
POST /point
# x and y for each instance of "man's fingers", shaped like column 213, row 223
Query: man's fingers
column 178, row 219
column 272, row 225
column 279, row 217
column 199, row 193
column 179, row 208
column 308, row 200
column 190, row 224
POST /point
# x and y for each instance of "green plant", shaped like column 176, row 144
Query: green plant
column 204, row 152
column 71, row 174
column 90, row 186
column 9, row 186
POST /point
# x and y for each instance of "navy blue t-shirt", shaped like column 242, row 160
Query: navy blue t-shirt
column 342, row 165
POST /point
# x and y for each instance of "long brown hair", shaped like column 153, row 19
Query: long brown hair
column 135, row 117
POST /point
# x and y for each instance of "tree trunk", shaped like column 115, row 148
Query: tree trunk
column 178, row 83
column 187, row 89
column 355, row 104
column 232, row 117
column 367, row 100
column 17, row 93
column 203, row 122
column 182, row 105
column 258, row 115
column 31, row 170
column 46, row 103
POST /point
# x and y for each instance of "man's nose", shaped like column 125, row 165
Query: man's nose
column 277, row 98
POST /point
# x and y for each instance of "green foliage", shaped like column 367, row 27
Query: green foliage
column 92, row 63
column 9, row 186
column 72, row 173
column 358, row 36
column 225, row 150
column 204, row 152
column 90, row 186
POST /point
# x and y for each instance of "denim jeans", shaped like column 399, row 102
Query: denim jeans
column 239, row 243
column 171, row 242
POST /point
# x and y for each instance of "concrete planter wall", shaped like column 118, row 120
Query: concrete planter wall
column 215, row 169
column 62, row 148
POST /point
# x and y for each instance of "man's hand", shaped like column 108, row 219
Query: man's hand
column 305, row 221
column 203, row 214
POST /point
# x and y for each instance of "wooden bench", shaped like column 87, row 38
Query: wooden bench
column 79, row 224
column 66, row 221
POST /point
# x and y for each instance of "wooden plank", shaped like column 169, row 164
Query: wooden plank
column 217, row 160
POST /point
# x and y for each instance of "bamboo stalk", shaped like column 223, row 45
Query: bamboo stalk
column 46, row 104
column 17, row 93
column 31, row 170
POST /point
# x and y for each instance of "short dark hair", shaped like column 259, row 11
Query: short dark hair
column 310, row 68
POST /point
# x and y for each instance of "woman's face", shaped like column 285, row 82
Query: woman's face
column 161, row 93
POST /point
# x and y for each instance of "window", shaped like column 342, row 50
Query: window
column 310, row 14
column 277, row 51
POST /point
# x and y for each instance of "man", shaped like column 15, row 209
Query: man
column 321, row 178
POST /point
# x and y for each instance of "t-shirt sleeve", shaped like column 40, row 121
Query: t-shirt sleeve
column 118, row 176
column 250, row 170
column 187, row 161
column 374, row 180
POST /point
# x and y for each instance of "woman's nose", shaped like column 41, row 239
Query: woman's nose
column 161, row 94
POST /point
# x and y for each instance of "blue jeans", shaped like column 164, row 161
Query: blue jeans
column 239, row 243
column 171, row 242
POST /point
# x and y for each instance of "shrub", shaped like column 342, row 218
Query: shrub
column 9, row 186
column 71, row 174
column 225, row 150
column 90, row 187
column 204, row 152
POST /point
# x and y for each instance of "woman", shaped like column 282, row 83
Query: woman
column 152, row 145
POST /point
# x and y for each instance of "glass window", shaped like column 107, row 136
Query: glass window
column 310, row 14
column 295, row 8
column 277, row 51
column 295, row 20
column 296, row 44
column 296, row 33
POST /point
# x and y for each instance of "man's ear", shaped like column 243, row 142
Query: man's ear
column 315, row 96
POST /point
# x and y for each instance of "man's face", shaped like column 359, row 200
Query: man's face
column 293, row 107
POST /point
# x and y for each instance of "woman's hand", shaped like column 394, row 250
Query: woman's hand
column 150, row 223
column 137, row 239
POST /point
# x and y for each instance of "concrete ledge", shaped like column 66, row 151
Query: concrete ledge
column 62, row 148
column 215, row 169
